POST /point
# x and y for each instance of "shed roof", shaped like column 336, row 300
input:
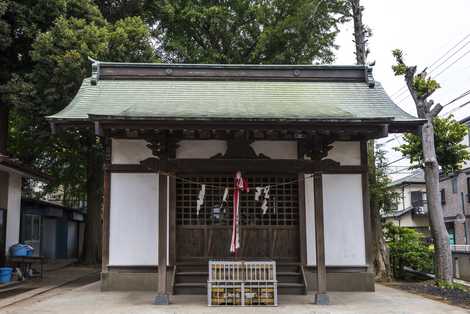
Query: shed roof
column 9, row 163
column 240, row 92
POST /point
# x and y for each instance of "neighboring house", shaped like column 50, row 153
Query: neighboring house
column 54, row 231
column 169, row 129
column 410, row 209
column 11, row 173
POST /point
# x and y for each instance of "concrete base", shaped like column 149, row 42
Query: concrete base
column 129, row 281
column 342, row 280
column 321, row 299
column 161, row 299
column 148, row 281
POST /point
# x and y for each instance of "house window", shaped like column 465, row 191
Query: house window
column 468, row 189
column 451, row 231
column 443, row 196
column 417, row 199
column 454, row 184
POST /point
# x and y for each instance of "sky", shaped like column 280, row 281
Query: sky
column 425, row 30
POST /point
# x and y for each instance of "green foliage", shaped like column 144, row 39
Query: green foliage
column 448, row 137
column 407, row 248
column 400, row 67
column 381, row 196
column 451, row 286
column 58, row 65
column 240, row 31
column 423, row 85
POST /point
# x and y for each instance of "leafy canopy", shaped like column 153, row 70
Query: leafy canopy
column 60, row 62
column 253, row 32
column 448, row 137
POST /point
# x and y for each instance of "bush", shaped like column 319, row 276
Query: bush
column 408, row 248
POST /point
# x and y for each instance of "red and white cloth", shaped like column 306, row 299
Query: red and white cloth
column 240, row 185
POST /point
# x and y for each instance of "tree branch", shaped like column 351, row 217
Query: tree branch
column 435, row 110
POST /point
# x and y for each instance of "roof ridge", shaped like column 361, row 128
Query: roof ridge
column 266, row 72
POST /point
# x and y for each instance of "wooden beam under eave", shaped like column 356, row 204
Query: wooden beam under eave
column 293, row 166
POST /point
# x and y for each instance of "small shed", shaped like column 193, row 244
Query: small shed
column 53, row 230
column 12, row 172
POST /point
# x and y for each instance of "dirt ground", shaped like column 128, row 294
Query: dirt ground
column 428, row 289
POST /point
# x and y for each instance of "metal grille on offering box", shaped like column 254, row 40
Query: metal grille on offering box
column 242, row 283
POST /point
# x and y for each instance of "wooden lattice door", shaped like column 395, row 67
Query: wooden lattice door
column 273, row 235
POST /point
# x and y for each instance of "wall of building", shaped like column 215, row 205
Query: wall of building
column 13, row 210
column 457, row 202
column 133, row 219
column 404, row 194
column 344, row 224
column 461, row 265
column 343, row 217
column 126, row 151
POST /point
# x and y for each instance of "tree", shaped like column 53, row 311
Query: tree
column 251, row 32
column 20, row 23
column 381, row 200
column 408, row 248
column 59, row 63
column 448, row 136
column 421, row 87
column 377, row 179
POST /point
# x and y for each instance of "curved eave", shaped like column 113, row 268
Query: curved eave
column 394, row 126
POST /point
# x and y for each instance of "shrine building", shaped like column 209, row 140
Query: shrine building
column 296, row 133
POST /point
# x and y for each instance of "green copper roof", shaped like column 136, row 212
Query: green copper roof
column 208, row 92
column 231, row 99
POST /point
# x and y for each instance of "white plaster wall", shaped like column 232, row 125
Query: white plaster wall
column 200, row 148
column 129, row 151
column 133, row 219
column 344, row 221
column 276, row 149
column 346, row 153
column 13, row 210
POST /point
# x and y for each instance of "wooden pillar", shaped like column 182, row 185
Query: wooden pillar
column 106, row 207
column 302, row 220
column 162, row 297
column 321, row 297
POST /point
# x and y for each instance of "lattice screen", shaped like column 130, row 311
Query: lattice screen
column 282, row 204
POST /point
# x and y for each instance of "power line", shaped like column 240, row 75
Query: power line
column 467, row 92
column 460, row 58
column 396, row 160
column 459, row 107
column 436, row 61
column 453, row 54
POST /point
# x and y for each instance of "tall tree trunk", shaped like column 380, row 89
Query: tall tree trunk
column 92, row 250
column 359, row 32
column 443, row 255
column 4, row 116
column 427, row 110
column 379, row 249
